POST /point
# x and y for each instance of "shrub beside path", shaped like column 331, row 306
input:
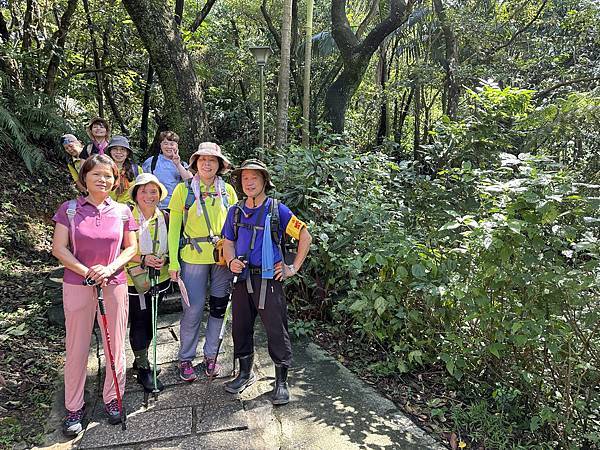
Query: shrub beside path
column 330, row 407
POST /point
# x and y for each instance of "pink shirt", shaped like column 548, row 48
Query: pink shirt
column 97, row 233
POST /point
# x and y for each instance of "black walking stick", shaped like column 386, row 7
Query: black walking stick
column 122, row 414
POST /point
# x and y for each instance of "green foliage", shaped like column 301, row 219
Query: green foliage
column 29, row 125
column 488, row 270
column 496, row 123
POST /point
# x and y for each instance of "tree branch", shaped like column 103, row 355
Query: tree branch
column 345, row 39
column 521, row 31
column 547, row 91
column 269, row 22
column 3, row 28
column 202, row 14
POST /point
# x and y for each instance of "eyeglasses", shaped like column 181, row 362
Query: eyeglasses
column 118, row 150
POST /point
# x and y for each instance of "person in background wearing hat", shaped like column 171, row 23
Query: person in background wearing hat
column 205, row 196
column 250, row 250
column 98, row 130
column 152, row 238
column 94, row 237
column 120, row 151
column 77, row 156
column 167, row 165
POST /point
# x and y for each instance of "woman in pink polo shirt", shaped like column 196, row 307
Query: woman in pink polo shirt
column 94, row 238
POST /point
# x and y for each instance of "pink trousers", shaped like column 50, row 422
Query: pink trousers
column 81, row 305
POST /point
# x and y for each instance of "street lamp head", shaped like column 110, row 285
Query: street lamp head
column 261, row 53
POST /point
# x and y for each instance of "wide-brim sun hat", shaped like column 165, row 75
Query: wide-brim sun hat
column 146, row 178
column 252, row 164
column 210, row 149
column 92, row 121
column 118, row 141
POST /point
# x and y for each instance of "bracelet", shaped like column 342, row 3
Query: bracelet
column 229, row 263
column 293, row 269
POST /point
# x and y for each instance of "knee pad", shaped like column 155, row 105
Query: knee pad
column 217, row 306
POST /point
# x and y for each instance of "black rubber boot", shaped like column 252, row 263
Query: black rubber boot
column 135, row 367
column 146, row 379
column 245, row 378
column 281, row 395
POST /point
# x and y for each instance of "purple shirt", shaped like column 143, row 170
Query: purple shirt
column 97, row 234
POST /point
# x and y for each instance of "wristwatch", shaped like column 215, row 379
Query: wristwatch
column 293, row 269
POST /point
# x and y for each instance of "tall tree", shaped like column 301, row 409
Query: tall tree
column 450, row 62
column 99, row 72
column 307, row 63
column 283, row 92
column 183, row 109
column 357, row 54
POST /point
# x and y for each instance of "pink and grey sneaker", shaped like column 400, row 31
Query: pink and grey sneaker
column 72, row 425
column 186, row 371
column 212, row 368
column 112, row 411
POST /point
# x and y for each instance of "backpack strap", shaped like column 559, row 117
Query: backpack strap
column 189, row 201
column 153, row 163
column 136, row 170
column 71, row 211
column 275, row 224
column 236, row 218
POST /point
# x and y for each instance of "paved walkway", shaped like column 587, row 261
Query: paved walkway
column 330, row 408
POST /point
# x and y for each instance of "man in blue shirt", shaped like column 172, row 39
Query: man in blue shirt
column 167, row 165
column 253, row 249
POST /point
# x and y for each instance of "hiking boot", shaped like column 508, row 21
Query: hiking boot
column 280, row 395
column 112, row 411
column 72, row 425
column 245, row 378
column 135, row 367
column 186, row 371
column 146, row 378
column 212, row 367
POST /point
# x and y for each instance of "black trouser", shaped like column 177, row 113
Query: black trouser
column 274, row 318
column 140, row 331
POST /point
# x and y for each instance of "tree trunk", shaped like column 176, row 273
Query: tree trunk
column 99, row 73
column 283, row 91
column 382, row 79
column 451, row 86
column 114, row 108
column 58, row 47
column 183, row 107
column 307, row 63
column 357, row 54
column 146, row 109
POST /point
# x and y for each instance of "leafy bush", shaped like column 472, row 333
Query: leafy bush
column 489, row 271
column 29, row 125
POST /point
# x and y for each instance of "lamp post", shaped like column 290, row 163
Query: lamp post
column 261, row 54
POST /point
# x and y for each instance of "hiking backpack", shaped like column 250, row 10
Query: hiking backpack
column 285, row 248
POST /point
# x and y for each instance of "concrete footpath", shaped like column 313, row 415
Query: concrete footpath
column 330, row 408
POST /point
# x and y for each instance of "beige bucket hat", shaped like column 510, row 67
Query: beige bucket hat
column 210, row 149
column 145, row 178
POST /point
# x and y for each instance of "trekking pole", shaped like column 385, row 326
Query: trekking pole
column 225, row 318
column 122, row 414
column 154, row 272
column 211, row 375
column 154, row 311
